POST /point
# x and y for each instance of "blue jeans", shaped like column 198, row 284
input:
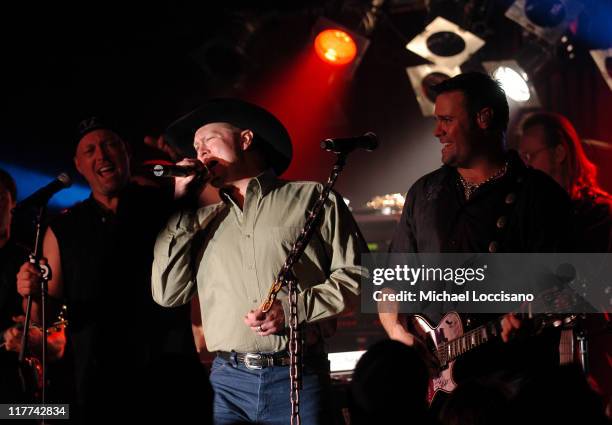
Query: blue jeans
column 261, row 396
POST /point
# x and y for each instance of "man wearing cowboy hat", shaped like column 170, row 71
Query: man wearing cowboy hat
column 230, row 252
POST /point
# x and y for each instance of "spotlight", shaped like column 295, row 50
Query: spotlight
column 514, row 81
column 603, row 59
column 445, row 43
column 514, row 84
column 337, row 45
column 548, row 19
column 423, row 78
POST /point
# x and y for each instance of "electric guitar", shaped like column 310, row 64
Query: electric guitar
column 448, row 341
column 30, row 370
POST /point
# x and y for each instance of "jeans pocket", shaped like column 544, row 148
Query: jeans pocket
column 218, row 365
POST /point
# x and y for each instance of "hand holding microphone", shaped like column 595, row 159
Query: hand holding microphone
column 185, row 168
column 187, row 174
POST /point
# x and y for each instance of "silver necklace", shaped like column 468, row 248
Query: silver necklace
column 470, row 188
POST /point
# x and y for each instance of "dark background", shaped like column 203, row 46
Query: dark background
column 147, row 65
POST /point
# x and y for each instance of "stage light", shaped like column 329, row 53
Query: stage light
column 335, row 46
column 445, row 43
column 548, row 19
column 515, row 82
column 423, row 78
column 603, row 59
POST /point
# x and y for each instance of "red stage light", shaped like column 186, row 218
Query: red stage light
column 335, row 46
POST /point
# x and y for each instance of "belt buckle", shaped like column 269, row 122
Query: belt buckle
column 249, row 357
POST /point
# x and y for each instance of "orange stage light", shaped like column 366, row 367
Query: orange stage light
column 335, row 47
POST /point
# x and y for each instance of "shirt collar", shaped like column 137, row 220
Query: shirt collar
column 266, row 181
column 260, row 185
column 515, row 163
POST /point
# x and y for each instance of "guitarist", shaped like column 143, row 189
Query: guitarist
column 550, row 143
column 12, row 388
column 11, row 256
column 482, row 199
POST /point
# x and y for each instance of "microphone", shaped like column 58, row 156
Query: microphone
column 164, row 170
column 42, row 195
column 368, row 141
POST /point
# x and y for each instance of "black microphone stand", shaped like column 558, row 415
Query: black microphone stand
column 286, row 278
column 45, row 270
column 582, row 338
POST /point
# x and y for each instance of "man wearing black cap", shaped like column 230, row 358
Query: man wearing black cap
column 229, row 254
column 100, row 253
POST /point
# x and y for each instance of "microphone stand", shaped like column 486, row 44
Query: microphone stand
column 582, row 337
column 286, row 278
column 34, row 258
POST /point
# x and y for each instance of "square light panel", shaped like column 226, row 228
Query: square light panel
column 445, row 43
column 423, row 78
column 548, row 19
column 603, row 59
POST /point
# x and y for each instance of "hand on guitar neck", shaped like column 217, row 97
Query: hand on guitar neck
column 510, row 324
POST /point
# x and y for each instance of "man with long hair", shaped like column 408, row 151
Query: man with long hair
column 550, row 143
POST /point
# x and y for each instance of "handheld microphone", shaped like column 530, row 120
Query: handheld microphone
column 368, row 141
column 163, row 170
column 42, row 195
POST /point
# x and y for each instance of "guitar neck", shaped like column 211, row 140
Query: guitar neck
column 450, row 350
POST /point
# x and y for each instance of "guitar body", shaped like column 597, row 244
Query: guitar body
column 450, row 328
column 447, row 341
column 30, row 369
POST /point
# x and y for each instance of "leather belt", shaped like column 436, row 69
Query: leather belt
column 256, row 360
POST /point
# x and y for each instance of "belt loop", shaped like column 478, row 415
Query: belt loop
column 233, row 359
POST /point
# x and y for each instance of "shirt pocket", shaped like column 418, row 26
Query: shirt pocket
column 287, row 236
column 311, row 263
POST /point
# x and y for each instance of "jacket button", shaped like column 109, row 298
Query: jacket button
column 510, row 198
column 501, row 222
column 493, row 247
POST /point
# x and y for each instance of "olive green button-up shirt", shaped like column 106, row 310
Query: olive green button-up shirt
column 230, row 258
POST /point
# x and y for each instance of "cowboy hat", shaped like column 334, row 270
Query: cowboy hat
column 276, row 143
